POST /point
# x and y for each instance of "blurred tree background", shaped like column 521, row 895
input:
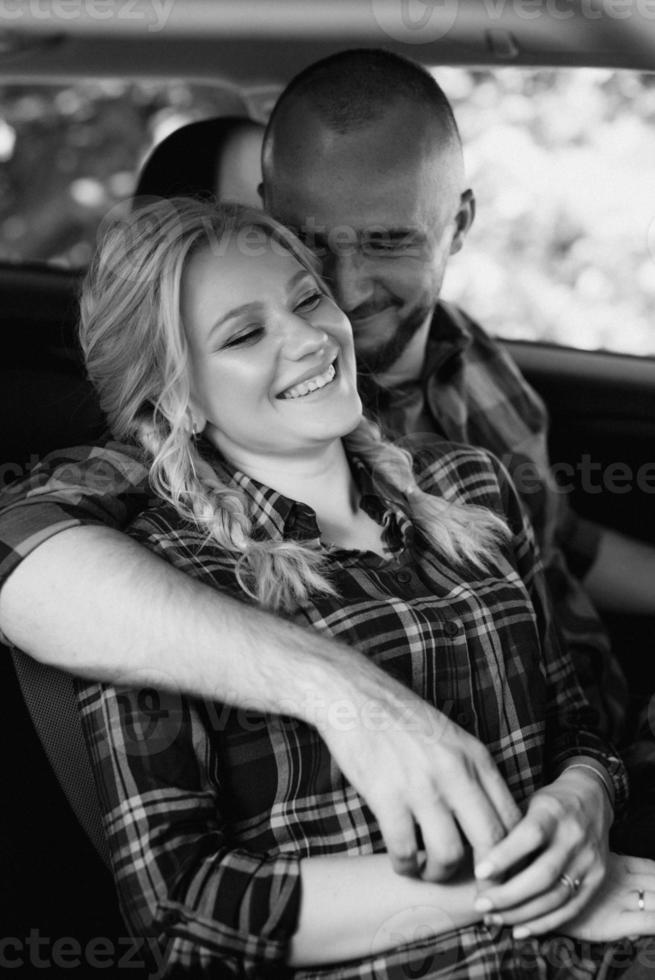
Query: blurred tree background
column 68, row 154
column 563, row 167
column 562, row 163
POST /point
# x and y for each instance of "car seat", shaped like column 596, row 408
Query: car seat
column 53, row 872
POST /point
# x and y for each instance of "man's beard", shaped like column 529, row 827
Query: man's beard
column 380, row 360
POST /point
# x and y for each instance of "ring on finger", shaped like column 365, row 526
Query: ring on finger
column 571, row 884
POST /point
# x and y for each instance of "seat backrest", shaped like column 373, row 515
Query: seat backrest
column 49, row 696
column 45, row 404
column 45, row 400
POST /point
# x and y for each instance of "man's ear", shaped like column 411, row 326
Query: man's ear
column 463, row 220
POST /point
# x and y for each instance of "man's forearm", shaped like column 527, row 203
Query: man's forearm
column 622, row 578
column 93, row 602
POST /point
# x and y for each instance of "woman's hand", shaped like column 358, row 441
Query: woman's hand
column 614, row 912
column 561, row 848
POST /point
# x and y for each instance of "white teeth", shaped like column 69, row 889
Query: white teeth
column 312, row 384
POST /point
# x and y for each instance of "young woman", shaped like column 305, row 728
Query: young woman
column 237, row 843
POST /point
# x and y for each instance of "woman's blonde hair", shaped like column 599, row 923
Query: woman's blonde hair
column 137, row 357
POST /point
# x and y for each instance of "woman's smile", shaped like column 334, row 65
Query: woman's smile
column 315, row 383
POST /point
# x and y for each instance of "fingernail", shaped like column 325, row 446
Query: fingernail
column 484, row 870
column 521, row 932
column 483, row 904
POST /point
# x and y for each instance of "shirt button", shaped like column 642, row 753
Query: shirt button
column 451, row 628
column 464, row 719
column 404, row 577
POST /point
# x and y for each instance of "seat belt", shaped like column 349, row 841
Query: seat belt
column 49, row 695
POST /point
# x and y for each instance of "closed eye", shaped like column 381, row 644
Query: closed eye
column 389, row 247
column 247, row 335
column 309, row 302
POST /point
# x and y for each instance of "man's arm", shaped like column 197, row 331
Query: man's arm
column 622, row 577
column 92, row 601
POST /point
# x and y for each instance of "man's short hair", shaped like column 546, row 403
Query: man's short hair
column 355, row 87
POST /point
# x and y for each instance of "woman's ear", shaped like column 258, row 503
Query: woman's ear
column 464, row 218
column 197, row 420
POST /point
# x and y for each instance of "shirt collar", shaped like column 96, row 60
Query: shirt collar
column 278, row 517
column 273, row 515
column 448, row 338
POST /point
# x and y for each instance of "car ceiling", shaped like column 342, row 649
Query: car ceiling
column 269, row 40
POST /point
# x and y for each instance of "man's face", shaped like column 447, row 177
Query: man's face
column 380, row 206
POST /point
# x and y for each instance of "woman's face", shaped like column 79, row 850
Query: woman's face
column 272, row 357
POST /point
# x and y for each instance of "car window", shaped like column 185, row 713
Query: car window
column 563, row 167
column 562, row 163
column 70, row 153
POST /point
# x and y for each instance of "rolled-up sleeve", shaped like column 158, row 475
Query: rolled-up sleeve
column 104, row 485
column 212, row 907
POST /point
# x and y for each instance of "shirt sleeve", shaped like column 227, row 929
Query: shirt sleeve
column 210, row 907
column 105, row 484
column 572, row 727
column 578, row 538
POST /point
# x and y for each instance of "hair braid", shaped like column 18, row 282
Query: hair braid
column 276, row 574
column 461, row 532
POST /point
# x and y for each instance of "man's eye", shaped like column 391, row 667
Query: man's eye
column 385, row 247
column 309, row 303
column 245, row 336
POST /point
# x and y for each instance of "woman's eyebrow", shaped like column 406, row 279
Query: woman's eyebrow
column 254, row 307
column 298, row 277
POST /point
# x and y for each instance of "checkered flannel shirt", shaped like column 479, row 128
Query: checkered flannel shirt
column 470, row 392
column 209, row 809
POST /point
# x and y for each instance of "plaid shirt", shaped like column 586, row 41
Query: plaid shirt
column 470, row 392
column 208, row 809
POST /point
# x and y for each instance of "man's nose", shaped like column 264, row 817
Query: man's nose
column 301, row 338
column 349, row 278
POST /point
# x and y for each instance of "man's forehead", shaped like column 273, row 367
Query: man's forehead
column 362, row 177
column 344, row 159
column 368, row 203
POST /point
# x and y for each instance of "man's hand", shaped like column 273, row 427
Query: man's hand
column 416, row 768
column 564, row 839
